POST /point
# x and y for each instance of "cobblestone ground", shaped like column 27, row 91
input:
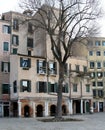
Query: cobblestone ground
column 94, row 121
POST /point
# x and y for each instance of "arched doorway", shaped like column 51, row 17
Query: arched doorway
column 26, row 111
column 53, row 110
column 39, row 110
column 64, row 111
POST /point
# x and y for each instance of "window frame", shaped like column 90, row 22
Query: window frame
column 75, row 87
column 25, row 88
column 6, row 46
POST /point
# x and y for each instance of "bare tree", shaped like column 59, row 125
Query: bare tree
column 66, row 22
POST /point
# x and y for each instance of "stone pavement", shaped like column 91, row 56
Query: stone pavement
column 94, row 121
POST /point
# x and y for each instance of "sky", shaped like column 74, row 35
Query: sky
column 12, row 5
column 8, row 5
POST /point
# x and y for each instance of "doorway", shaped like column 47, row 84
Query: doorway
column 53, row 110
column 100, row 106
column 26, row 111
column 39, row 110
column 6, row 111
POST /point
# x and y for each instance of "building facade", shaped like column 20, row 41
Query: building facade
column 96, row 58
column 4, row 67
column 34, row 74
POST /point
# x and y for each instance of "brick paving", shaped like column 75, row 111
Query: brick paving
column 94, row 121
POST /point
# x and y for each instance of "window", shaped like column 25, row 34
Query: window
column 98, row 65
column 90, row 53
column 41, row 87
column 41, row 66
column 52, row 87
column 94, row 84
column 94, row 93
column 15, row 86
column 97, row 43
column 100, row 84
column 29, row 53
column 94, row 105
column 30, row 28
column 6, row 29
column 74, row 87
column 5, row 67
column 77, row 68
column 25, row 85
column 87, row 88
column 65, row 88
column 99, row 74
column 15, row 24
column 100, row 93
column 30, row 42
column 53, row 68
column 84, row 69
column 92, row 74
column 98, row 53
column 15, row 40
column 92, row 65
column 6, row 46
column 90, row 43
column 103, row 43
column 14, row 51
column 5, row 89
column 25, row 63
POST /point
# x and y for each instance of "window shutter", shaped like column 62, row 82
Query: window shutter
column 21, row 87
column 55, row 67
column 9, row 29
column 17, row 40
column 37, row 87
column 45, row 87
column 49, row 87
column 66, row 88
column 29, row 63
column 2, row 66
column 21, row 60
column 8, row 66
column 37, row 66
column 44, row 66
column 29, row 86
column 56, row 87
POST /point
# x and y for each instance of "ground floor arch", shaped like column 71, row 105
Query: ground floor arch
column 39, row 111
column 26, row 111
column 64, row 110
column 52, row 110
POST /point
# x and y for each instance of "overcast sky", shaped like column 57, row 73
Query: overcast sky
column 12, row 5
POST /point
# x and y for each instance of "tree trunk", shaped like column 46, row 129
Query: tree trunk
column 59, row 93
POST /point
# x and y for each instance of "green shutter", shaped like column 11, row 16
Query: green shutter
column 37, row 87
column 17, row 40
column 29, row 86
column 21, row 60
column 2, row 66
column 66, row 88
column 8, row 66
column 37, row 66
column 44, row 66
column 45, row 87
column 56, row 87
column 29, row 63
column 49, row 87
column 9, row 29
column 21, row 87
column 55, row 67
